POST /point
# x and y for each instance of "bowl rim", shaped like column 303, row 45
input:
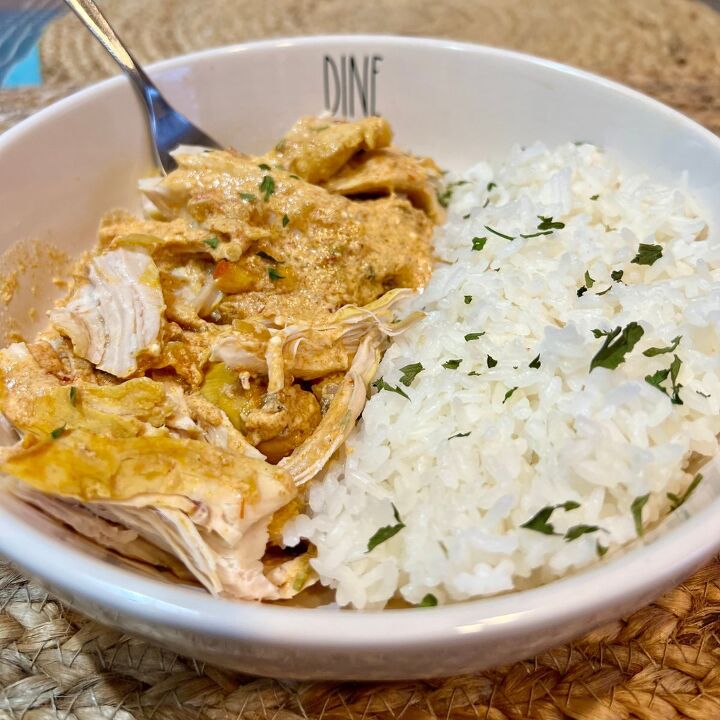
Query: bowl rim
column 153, row 602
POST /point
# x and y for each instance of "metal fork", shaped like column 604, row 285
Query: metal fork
column 168, row 128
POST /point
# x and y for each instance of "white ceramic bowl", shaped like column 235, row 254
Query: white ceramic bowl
column 62, row 168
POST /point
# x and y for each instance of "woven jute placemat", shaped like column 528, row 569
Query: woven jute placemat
column 663, row 662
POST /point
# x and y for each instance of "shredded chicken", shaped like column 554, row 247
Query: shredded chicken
column 210, row 359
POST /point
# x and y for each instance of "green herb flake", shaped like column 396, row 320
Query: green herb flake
column 248, row 197
column 269, row 258
column 539, row 521
column 491, row 361
column 478, row 243
column 537, row 234
column 294, row 176
column 73, row 395
column 647, row 254
column 274, row 275
column 466, row 216
column 594, row 197
column 445, row 196
column 616, row 275
column 653, row 351
column 410, row 372
column 491, row 186
column 702, row 394
column 604, row 292
column 264, row 167
column 509, row 394
column 57, row 432
column 498, row 233
column 589, row 282
column 380, row 384
column 535, row 364
column 576, row 531
column 285, row 220
column 267, row 187
column 473, row 373
column 473, row 336
column 675, row 501
column 636, row 508
column 468, row 299
column 428, row 601
column 459, row 435
column 212, row 242
column 547, row 223
column 618, row 343
column 600, row 549
column 452, row 364
column 660, row 376
column 581, row 291
column 386, row 532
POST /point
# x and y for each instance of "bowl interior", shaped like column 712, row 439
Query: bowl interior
column 62, row 169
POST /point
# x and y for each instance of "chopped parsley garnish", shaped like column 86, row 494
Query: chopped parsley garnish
column 459, row 435
column 249, row 197
column 605, row 291
column 73, row 395
column 618, row 343
column 294, row 177
column 280, row 147
column 274, row 275
column 473, row 336
column 386, row 532
column 653, row 351
column 478, row 243
column 285, row 220
column 491, row 361
column 498, row 233
column 616, row 275
column 267, row 187
column 380, row 384
column 547, row 223
column 576, row 531
column 264, row 167
column 702, row 394
column 269, row 258
column 508, row 394
column 428, row 601
column 589, row 282
column 675, row 501
column 539, row 521
column 581, row 291
column 445, row 196
column 466, row 216
column 452, row 364
column 637, row 507
column 660, row 376
column 212, row 242
column 468, row 299
column 647, row 254
column 491, row 186
column 535, row 364
column 57, row 432
column 600, row 549
column 410, row 372
column 537, row 234
column 473, row 372
column 594, row 197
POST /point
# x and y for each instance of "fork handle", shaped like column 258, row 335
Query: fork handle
column 95, row 21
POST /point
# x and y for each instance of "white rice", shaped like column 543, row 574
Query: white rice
column 600, row 438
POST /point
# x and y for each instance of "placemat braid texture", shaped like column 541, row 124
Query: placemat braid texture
column 661, row 663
